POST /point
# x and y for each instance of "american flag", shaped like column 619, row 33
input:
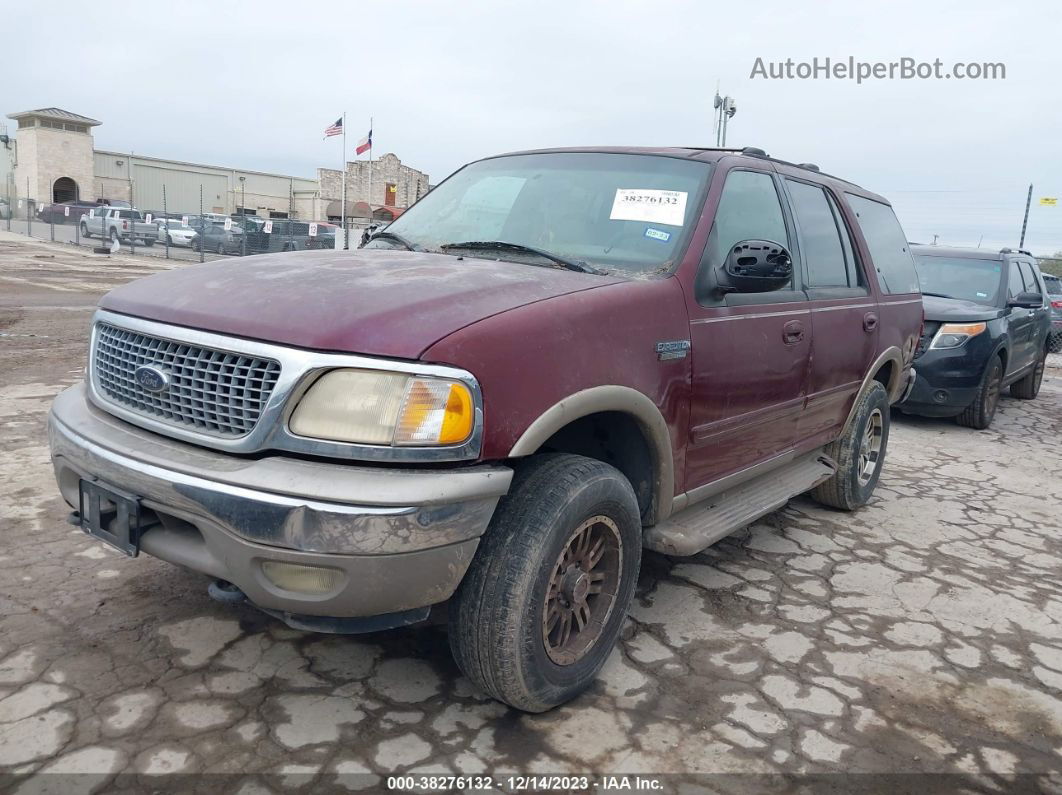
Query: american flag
column 335, row 129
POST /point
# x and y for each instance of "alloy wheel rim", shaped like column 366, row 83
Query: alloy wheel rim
column 870, row 447
column 993, row 391
column 582, row 590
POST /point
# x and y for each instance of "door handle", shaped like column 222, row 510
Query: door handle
column 792, row 332
column 870, row 322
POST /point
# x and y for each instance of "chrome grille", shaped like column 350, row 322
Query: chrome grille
column 211, row 391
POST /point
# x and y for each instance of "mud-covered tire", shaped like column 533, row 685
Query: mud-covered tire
column 84, row 231
column 853, row 483
column 978, row 415
column 1029, row 386
column 498, row 633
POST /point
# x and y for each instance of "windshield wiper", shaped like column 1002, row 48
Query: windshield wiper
column 937, row 295
column 501, row 245
column 397, row 238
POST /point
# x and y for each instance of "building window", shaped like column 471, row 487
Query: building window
column 27, row 123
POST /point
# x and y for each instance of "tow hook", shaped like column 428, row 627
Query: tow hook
column 224, row 591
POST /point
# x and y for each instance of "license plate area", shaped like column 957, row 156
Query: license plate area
column 110, row 515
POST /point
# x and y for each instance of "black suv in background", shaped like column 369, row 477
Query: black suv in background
column 986, row 327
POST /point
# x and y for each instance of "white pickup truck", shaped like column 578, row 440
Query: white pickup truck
column 118, row 223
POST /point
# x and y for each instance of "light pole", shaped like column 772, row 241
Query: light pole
column 725, row 108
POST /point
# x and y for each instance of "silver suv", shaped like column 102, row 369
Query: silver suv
column 1054, row 295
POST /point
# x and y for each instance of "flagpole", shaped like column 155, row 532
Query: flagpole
column 370, row 171
column 343, row 202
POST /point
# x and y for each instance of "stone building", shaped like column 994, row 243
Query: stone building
column 394, row 186
column 52, row 155
column 52, row 158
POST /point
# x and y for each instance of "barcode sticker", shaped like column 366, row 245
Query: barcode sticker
column 650, row 206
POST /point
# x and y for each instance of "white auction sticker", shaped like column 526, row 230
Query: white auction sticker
column 228, row 224
column 66, row 211
column 650, row 206
column 267, row 227
column 147, row 218
column 184, row 220
column 313, row 230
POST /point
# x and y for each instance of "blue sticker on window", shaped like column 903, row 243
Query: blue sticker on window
column 657, row 234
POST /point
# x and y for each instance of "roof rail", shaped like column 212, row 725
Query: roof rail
column 754, row 151
column 808, row 166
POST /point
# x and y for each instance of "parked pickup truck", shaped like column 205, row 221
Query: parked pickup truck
column 554, row 359
column 118, row 223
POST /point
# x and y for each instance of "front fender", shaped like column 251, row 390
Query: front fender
column 610, row 398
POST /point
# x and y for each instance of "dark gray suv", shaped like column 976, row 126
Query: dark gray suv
column 986, row 328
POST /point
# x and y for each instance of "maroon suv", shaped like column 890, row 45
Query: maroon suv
column 553, row 359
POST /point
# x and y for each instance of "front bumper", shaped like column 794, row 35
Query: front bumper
column 401, row 538
column 948, row 380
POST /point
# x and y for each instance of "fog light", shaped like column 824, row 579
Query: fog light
column 940, row 396
column 313, row 580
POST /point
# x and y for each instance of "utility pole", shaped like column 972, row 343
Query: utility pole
column 1025, row 223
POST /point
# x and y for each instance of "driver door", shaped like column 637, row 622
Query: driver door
column 750, row 350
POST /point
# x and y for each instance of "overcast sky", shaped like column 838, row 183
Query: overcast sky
column 253, row 85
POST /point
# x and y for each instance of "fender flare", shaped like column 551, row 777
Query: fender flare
column 894, row 387
column 611, row 398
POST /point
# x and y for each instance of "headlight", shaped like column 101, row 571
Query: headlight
column 384, row 408
column 953, row 335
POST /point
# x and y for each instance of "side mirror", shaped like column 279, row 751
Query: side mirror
column 1026, row 301
column 756, row 266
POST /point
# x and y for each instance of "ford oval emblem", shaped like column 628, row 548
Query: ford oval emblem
column 151, row 378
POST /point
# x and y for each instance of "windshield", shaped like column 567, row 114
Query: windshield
column 616, row 212
column 974, row 280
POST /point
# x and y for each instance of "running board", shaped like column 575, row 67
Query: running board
column 698, row 527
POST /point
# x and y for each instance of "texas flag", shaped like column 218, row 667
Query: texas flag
column 365, row 144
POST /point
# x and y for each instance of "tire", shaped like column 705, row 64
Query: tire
column 114, row 236
column 221, row 248
column 978, row 415
column 1029, row 386
column 169, row 240
column 559, row 510
column 149, row 242
column 859, row 453
column 1054, row 342
column 85, row 231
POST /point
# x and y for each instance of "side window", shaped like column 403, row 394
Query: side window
column 749, row 209
column 855, row 273
column 887, row 244
column 1015, row 283
column 1032, row 284
column 819, row 237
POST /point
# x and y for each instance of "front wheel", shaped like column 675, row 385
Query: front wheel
column 982, row 410
column 546, row 595
column 85, row 231
column 859, row 453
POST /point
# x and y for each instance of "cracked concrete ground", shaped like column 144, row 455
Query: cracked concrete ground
column 921, row 634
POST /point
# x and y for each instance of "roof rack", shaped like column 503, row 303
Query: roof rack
column 754, row 151
column 1009, row 250
column 808, row 166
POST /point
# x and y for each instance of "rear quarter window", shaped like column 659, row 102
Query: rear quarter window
column 887, row 244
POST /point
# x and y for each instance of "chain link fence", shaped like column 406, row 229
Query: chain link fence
column 178, row 230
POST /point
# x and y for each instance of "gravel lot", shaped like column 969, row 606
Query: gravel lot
column 922, row 634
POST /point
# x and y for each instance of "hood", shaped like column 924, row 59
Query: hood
column 957, row 310
column 372, row 301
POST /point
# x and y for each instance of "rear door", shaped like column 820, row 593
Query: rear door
column 844, row 315
column 750, row 350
